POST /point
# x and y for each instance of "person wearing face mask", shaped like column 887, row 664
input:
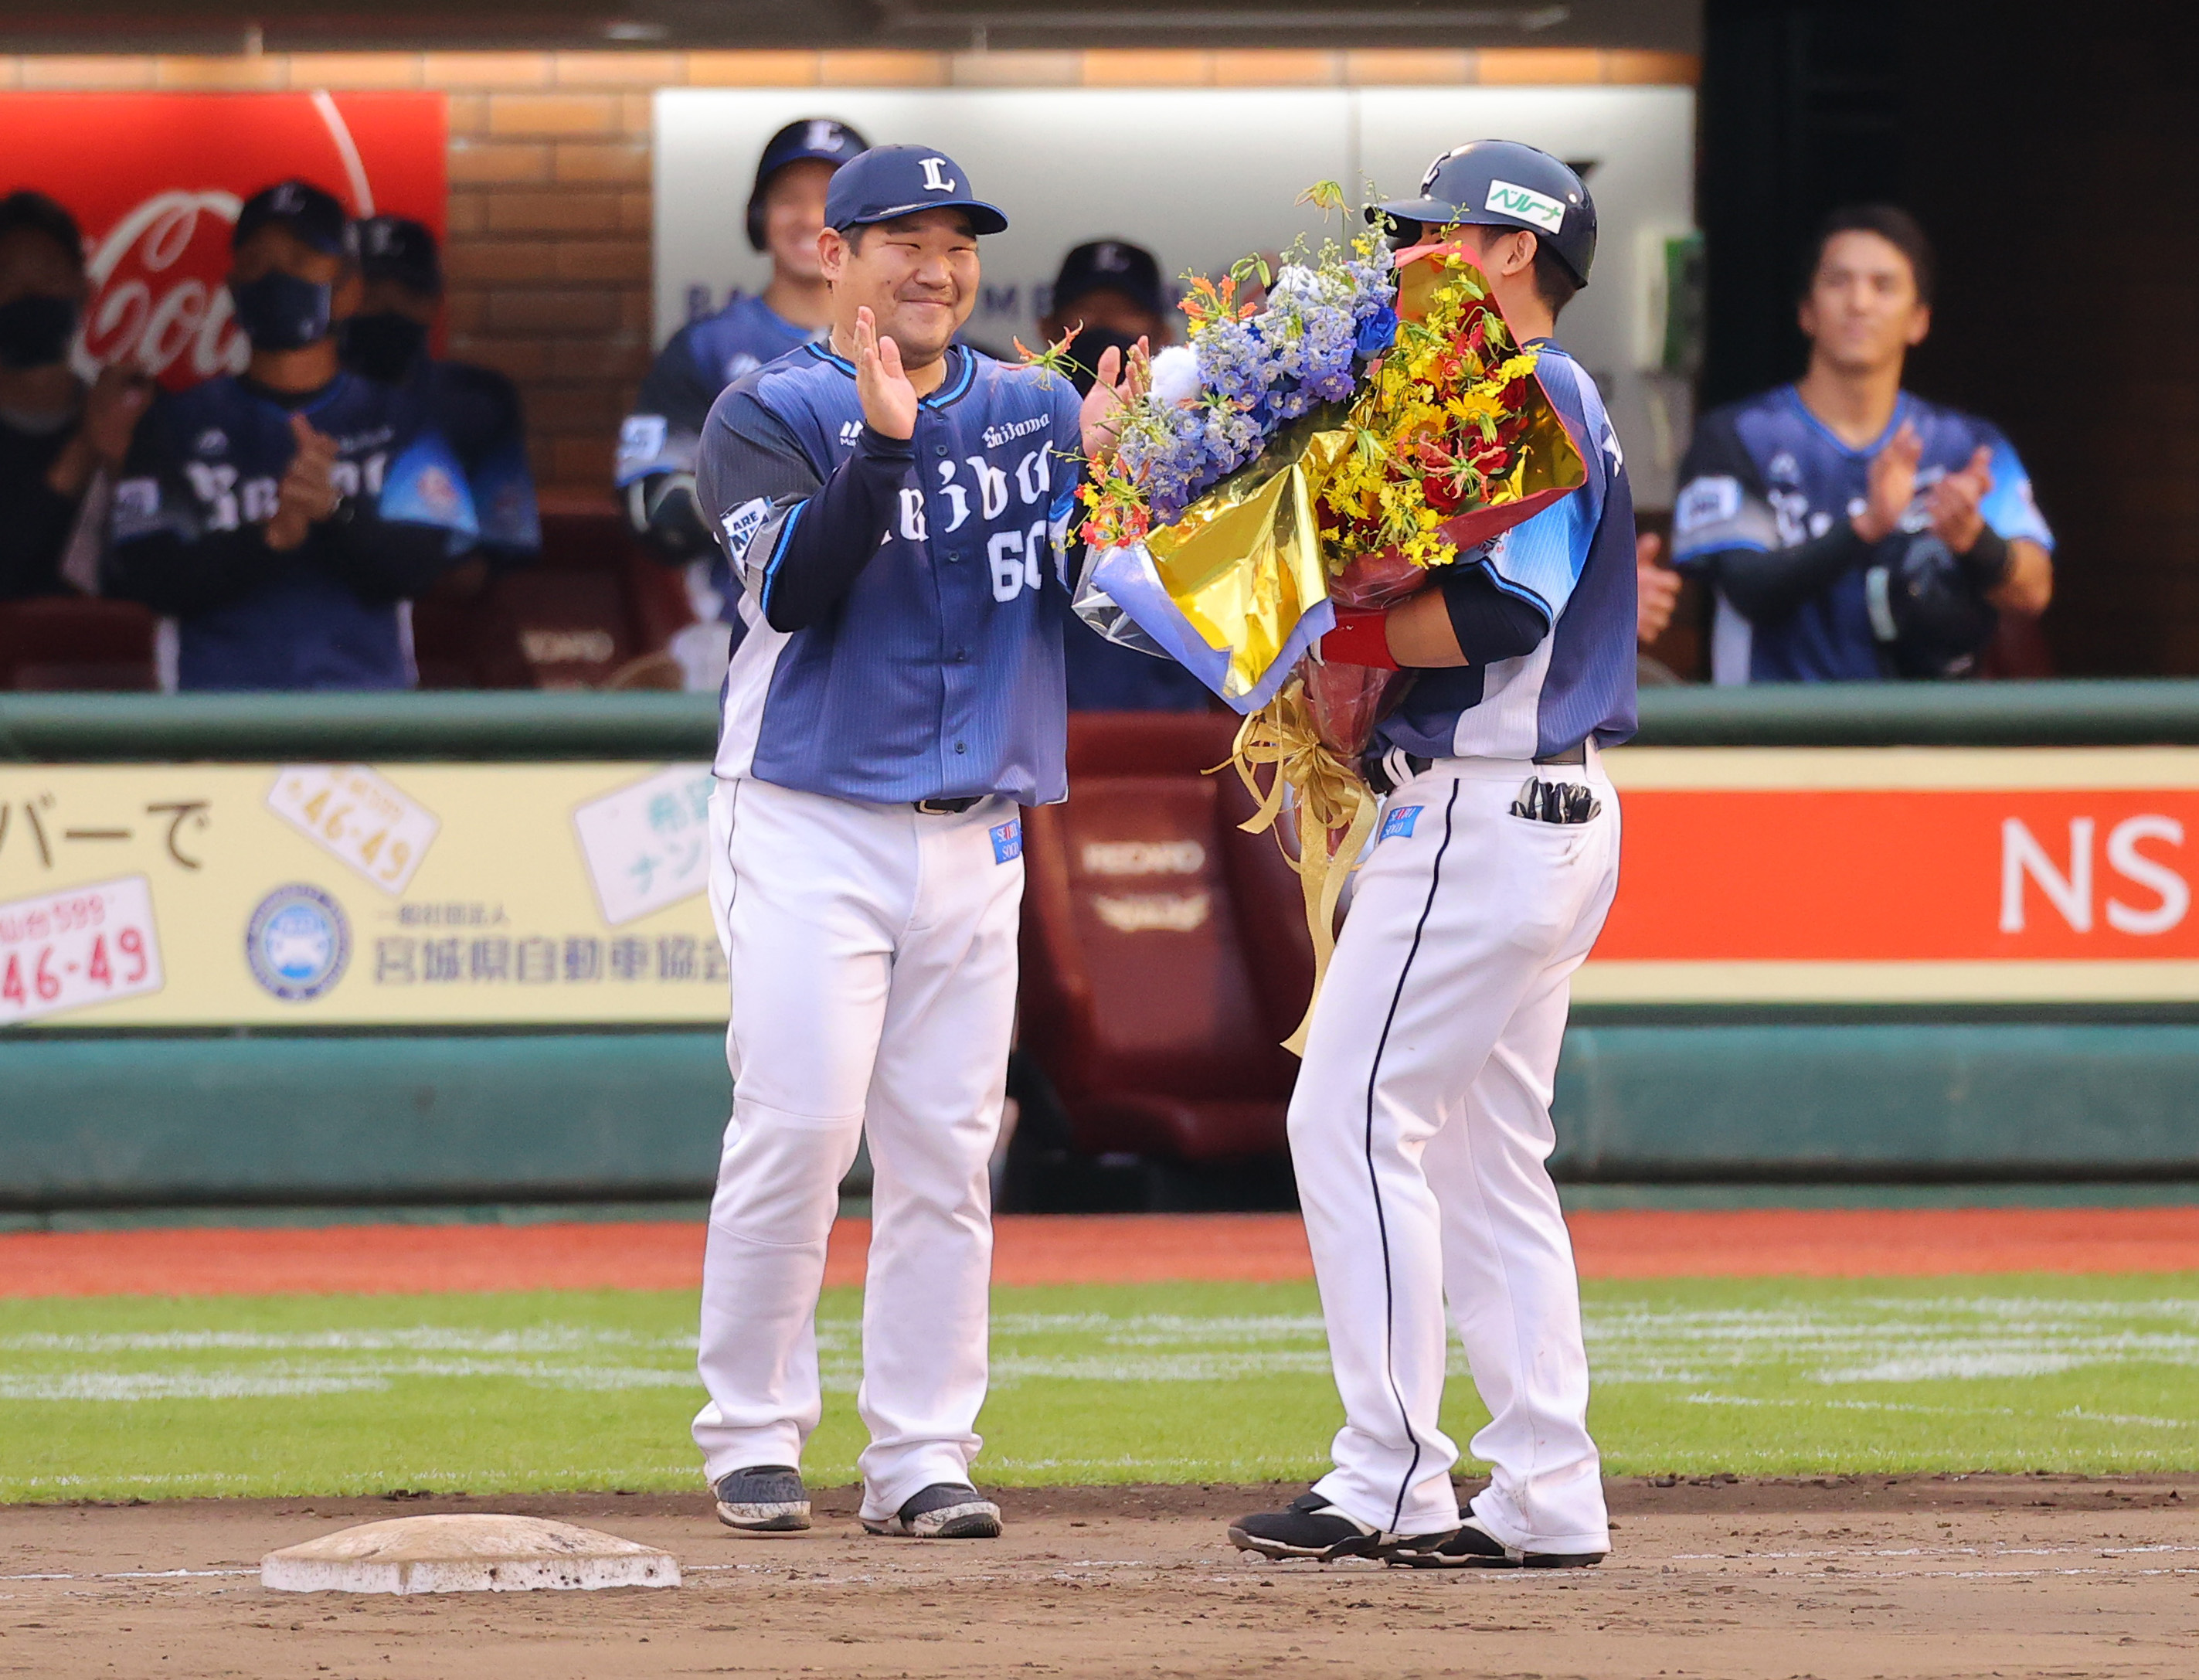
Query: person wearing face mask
column 476, row 408
column 1109, row 294
column 284, row 517
column 655, row 469
column 56, row 434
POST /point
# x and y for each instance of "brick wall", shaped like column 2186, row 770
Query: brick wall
column 548, row 253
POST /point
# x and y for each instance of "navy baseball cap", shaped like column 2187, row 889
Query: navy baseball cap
column 825, row 139
column 397, row 248
column 1110, row 265
column 890, row 181
column 315, row 216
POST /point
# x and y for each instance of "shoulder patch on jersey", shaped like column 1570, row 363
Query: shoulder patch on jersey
column 1706, row 501
column 641, row 436
column 742, row 524
column 1399, row 823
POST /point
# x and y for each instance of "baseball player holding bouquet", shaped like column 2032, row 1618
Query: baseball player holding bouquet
column 1420, row 1125
column 894, row 507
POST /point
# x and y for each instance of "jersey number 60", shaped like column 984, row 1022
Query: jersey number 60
column 1017, row 557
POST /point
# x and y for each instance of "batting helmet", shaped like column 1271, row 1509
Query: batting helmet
column 1503, row 183
column 823, row 138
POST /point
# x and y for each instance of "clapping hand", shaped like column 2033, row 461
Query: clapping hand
column 1893, row 485
column 111, row 410
column 1953, row 503
column 1657, row 589
column 1120, row 381
column 307, row 493
column 881, row 384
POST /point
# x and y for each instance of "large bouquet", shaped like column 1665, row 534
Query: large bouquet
column 1371, row 419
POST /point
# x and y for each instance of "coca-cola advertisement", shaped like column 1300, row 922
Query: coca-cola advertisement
column 155, row 180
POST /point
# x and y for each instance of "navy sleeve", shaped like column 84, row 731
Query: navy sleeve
column 797, row 540
column 1767, row 585
column 1490, row 623
column 160, row 551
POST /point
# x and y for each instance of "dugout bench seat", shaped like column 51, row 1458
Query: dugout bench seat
column 1164, row 951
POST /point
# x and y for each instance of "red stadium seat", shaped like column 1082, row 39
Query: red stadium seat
column 1164, row 951
column 76, row 642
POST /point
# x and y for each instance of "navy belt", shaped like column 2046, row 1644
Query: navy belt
column 1576, row 754
column 946, row 808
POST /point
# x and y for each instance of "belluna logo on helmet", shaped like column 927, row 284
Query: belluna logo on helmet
column 1528, row 205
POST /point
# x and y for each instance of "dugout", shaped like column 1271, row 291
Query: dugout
column 1884, row 942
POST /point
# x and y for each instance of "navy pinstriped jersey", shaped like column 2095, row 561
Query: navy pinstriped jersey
column 939, row 674
column 697, row 363
column 204, row 469
column 1766, row 473
column 1574, row 563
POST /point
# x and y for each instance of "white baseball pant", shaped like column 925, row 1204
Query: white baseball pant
column 873, row 953
column 1420, row 1131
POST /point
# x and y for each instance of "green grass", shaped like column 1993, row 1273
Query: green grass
column 1187, row 1382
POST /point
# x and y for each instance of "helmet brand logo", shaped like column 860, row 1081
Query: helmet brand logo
column 1526, row 204
column 936, row 177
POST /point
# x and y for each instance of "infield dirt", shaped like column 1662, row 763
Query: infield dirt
column 1838, row 1579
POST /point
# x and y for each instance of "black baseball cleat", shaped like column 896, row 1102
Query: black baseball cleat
column 1474, row 1547
column 763, row 1499
column 943, row 1511
column 1310, row 1527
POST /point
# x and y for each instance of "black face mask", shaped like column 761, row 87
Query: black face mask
column 383, row 347
column 280, row 311
column 1091, row 345
column 35, row 331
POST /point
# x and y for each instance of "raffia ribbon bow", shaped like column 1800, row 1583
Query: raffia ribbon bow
column 1330, row 797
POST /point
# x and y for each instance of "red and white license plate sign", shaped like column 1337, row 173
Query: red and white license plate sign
column 80, row 946
column 155, row 181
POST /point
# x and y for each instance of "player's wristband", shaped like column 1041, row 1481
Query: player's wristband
column 1360, row 639
column 1987, row 564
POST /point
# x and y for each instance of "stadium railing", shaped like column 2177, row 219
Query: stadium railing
column 1908, row 1096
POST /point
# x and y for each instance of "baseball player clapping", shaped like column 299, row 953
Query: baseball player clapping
column 895, row 508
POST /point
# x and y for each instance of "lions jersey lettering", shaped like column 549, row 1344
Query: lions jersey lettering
column 211, row 460
column 1574, row 563
column 939, row 675
column 1766, row 473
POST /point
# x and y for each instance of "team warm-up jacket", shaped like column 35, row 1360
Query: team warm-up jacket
column 661, row 434
column 1765, row 475
column 1545, row 614
column 898, row 629
column 189, row 533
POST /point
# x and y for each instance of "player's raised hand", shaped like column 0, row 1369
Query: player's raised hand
column 1893, row 485
column 1121, row 379
column 1954, row 502
column 889, row 399
column 308, row 491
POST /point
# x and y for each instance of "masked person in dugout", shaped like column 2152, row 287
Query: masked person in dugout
column 476, row 408
column 655, row 470
column 56, row 433
column 283, row 518
column 1109, row 294
column 1851, row 529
